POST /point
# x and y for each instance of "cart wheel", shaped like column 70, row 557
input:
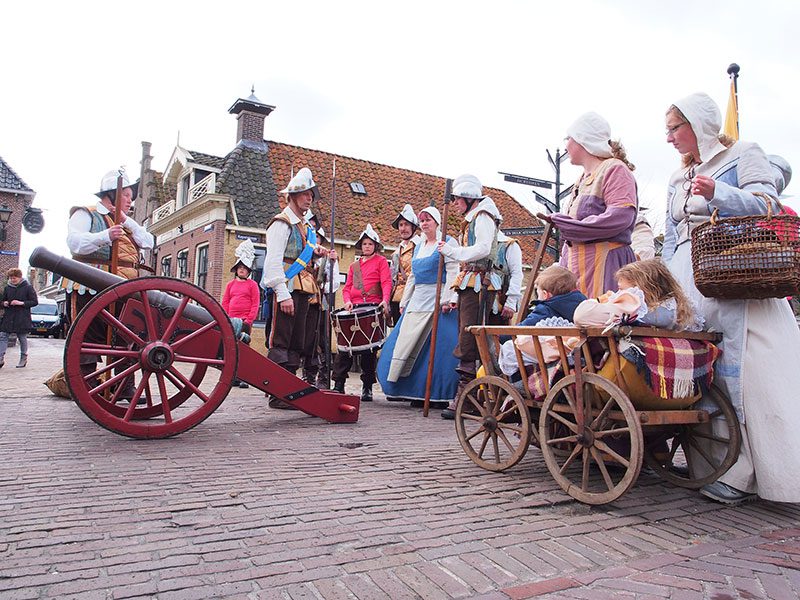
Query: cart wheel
column 167, row 355
column 492, row 418
column 707, row 450
column 611, row 439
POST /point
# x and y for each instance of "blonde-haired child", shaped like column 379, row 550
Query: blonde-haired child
column 668, row 306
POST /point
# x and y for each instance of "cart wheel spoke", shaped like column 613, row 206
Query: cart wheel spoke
column 199, row 360
column 585, row 469
column 162, row 390
column 700, row 450
column 602, row 446
column 173, row 322
column 476, row 432
column 152, row 334
column 573, row 455
column 572, row 439
column 486, row 436
column 573, row 427
column 496, row 448
column 598, row 458
column 617, row 431
column 470, row 417
column 198, row 392
column 600, row 420
column 713, row 438
column 510, row 427
column 196, row 333
column 120, row 328
column 503, row 437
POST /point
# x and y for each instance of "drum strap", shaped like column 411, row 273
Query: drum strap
column 358, row 281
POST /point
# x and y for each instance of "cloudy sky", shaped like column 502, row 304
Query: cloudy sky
column 438, row 87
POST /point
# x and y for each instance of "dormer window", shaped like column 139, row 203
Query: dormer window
column 358, row 188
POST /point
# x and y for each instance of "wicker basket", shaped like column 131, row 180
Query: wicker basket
column 750, row 257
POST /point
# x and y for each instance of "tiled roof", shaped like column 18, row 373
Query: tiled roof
column 216, row 162
column 9, row 180
column 388, row 189
column 247, row 176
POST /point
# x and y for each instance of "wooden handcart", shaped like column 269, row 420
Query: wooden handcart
column 592, row 437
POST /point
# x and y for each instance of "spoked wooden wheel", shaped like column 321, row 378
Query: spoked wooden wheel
column 606, row 454
column 162, row 336
column 492, row 423
column 705, row 450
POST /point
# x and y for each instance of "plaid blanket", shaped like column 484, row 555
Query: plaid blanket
column 672, row 367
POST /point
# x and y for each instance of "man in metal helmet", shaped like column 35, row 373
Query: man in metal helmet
column 289, row 274
column 91, row 233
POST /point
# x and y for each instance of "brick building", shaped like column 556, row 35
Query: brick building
column 15, row 198
column 201, row 206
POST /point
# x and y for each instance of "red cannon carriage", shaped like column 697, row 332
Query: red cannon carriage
column 179, row 347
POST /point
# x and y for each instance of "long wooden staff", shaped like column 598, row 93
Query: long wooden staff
column 114, row 262
column 117, row 219
column 448, row 186
column 537, row 262
column 331, row 292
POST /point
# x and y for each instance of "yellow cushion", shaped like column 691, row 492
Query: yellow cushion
column 639, row 392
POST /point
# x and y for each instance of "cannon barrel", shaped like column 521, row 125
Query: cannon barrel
column 100, row 280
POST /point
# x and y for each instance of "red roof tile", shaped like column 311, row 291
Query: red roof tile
column 387, row 190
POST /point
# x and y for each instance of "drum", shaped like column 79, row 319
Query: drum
column 363, row 328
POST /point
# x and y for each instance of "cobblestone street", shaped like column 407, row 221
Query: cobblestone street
column 258, row 503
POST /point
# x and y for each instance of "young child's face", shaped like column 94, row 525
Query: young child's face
column 624, row 283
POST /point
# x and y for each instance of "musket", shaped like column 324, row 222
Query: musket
column 331, row 292
column 448, row 185
column 117, row 218
column 537, row 263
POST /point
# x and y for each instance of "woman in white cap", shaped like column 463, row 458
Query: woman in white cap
column 369, row 281
column 761, row 342
column 403, row 364
column 597, row 223
column 242, row 298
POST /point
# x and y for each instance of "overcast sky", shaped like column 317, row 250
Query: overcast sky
column 438, row 87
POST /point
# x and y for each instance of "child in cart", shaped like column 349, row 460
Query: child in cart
column 557, row 298
column 660, row 373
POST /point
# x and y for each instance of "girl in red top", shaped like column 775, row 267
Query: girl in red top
column 368, row 281
column 242, row 298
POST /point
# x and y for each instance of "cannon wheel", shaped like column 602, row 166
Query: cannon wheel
column 492, row 419
column 172, row 375
column 606, row 455
column 709, row 449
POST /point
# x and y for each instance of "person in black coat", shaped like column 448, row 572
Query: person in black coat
column 18, row 298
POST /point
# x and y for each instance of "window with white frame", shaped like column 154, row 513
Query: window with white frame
column 201, row 276
column 166, row 266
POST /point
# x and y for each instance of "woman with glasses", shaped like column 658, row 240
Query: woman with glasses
column 761, row 342
column 597, row 223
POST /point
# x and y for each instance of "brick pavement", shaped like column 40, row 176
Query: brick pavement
column 256, row 503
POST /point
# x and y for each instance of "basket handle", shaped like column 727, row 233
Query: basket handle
column 769, row 200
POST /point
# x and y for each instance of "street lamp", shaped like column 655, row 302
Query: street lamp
column 5, row 214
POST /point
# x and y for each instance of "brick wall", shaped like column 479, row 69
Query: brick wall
column 215, row 238
column 17, row 203
column 250, row 127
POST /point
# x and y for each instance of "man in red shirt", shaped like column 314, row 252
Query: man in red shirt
column 368, row 281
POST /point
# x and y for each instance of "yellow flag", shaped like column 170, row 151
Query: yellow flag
column 731, row 126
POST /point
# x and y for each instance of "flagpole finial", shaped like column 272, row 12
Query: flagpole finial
column 733, row 69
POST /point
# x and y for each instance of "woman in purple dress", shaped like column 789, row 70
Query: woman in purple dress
column 597, row 223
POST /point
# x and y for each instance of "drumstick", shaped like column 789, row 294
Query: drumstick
column 448, row 184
